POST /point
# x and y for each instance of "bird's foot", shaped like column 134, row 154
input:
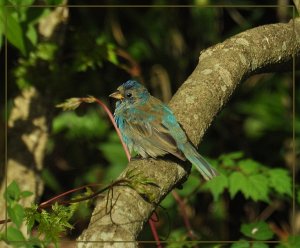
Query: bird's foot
column 137, row 157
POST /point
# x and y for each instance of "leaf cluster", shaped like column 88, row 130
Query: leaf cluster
column 254, row 180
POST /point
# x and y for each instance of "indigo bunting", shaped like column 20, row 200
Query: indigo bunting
column 149, row 127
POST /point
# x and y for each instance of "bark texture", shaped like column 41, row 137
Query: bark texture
column 219, row 71
column 27, row 128
column 28, row 135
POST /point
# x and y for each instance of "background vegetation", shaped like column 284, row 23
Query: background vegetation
column 96, row 49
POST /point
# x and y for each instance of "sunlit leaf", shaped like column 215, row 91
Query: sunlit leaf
column 16, row 214
column 12, row 192
column 258, row 187
column 12, row 29
column 259, row 231
column 14, row 234
column 253, row 186
column 280, row 181
column 237, row 182
column 217, row 185
column 249, row 166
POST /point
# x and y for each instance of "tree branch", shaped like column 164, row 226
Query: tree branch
column 220, row 69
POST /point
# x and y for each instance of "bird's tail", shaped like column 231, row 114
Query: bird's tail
column 201, row 164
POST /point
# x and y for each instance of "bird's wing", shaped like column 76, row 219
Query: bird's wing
column 153, row 135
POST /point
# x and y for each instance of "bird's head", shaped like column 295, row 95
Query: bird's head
column 131, row 91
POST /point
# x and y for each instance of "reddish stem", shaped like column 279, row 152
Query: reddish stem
column 187, row 223
column 46, row 203
column 111, row 117
column 154, row 232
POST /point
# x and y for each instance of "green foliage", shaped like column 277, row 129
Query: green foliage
column 87, row 58
column 11, row 28
column 50, row 223
column 17, row 23
column 44, row 52
column 254, row 180
column 13, row 195
column 16, row 213
column 217, row 186
column 247, row 244
column 88, row 126
column 280, row 181
column 257, row 231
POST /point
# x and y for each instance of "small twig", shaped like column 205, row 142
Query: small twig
column 54, row 199
column 186, row 220
column 45, row 204
column 154, row 232
column 5, row 221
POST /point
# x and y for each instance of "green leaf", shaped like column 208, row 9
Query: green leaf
column 280, row 181
column 259, row 245
column 258, row 188
column 31, row 34
column 229, row 158
column 14, row 234
column 237, row 182
column 111, row 54
column 16, row 214
column 217, row 185
column 12, row 29
column 258, row 231
column 30, row 215
column 232, row 155
column 240, row 244
column 254, row 186
column 26, row 193
column 246, row 244
column 249, row 166
column 12, row 192
column 46, row 51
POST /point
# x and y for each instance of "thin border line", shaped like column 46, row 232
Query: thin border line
column 158, row 6
column 5, row 115
column 155, row 6
column 293, row 135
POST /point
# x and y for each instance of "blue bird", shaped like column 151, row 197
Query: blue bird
column 150, row 128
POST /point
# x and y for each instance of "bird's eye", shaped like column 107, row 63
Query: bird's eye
column 128, row 94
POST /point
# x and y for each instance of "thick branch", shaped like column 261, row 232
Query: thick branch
column 220, row 69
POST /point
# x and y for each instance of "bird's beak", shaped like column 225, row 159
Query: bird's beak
column 117, row 95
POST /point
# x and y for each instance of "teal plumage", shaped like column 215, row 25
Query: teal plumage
column 149, row 127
